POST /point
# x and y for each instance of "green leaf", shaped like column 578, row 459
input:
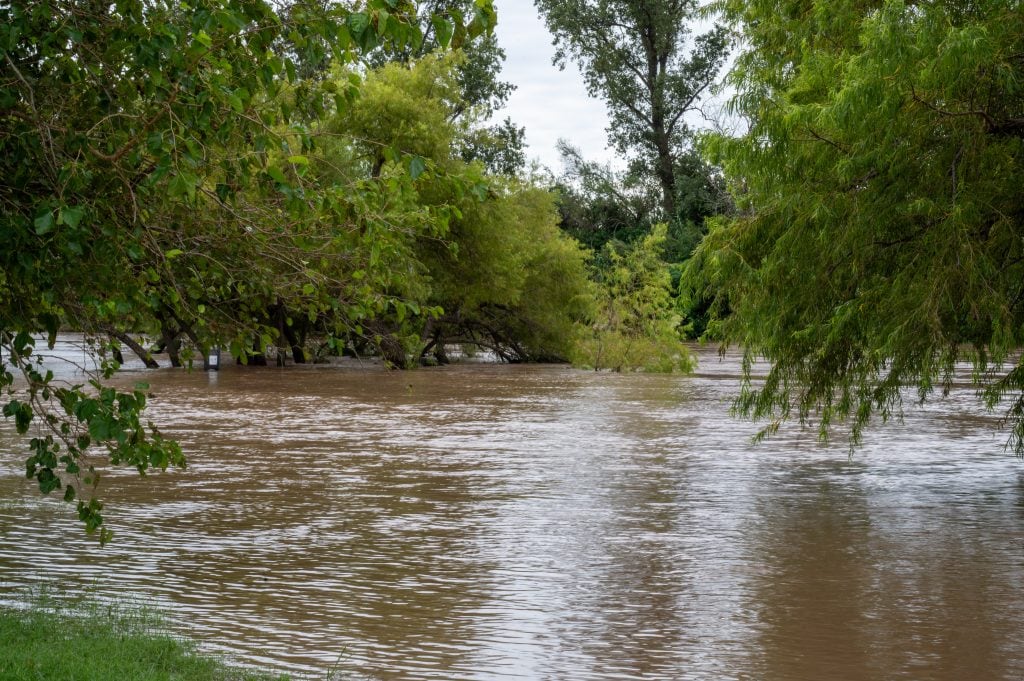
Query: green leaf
column 443, row 29
column 298, row 160
column 416, row 167
column 276, row 174
column 173, row 253
column 358, row 22
column 71, row 216
column 182, row 184
column 45, row 223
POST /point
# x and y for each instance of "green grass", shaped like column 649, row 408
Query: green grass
column 57, row 640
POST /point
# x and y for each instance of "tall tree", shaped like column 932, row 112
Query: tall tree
column 643, row 58
column 880, row 238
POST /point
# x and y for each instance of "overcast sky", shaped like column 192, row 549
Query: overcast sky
column 549, row 103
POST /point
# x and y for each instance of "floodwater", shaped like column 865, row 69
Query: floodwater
column 538, row 522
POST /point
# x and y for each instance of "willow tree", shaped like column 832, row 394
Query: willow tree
column 881, row 235
column 642, row 58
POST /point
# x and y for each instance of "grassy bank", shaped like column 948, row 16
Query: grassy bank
column 88, row 641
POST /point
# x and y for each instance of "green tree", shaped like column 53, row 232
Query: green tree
column 640, row 57
column 879, row 235
column 499, row 146
column 636, row 324
column 497, row 273
column 154, row 177
column 598, row 205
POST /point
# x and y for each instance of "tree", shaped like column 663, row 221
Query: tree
column 636, row 324
column 639, row 56
column 497, row 273
column 154, row 177
column 500, row 146
column 879, row 239
column 598, row 204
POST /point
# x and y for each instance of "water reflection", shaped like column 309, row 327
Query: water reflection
column 487, row 522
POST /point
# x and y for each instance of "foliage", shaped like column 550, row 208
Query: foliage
column 636, row 324
column 598, row 205
column 500, row 146
column 641, row 58
column 608, row 211
column 497, row 272
column 879, row 236
column 154, row 178
column 512, row 283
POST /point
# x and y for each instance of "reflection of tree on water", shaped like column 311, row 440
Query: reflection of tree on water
column 863, row 585
column 631, row 573
column 619, row 543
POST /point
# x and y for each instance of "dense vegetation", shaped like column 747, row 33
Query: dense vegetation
column 879, row 235
column 282, row 181
column 160, row 174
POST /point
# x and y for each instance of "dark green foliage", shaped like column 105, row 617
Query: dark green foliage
column 598, row 205
column 500, row 148
column 880, row 236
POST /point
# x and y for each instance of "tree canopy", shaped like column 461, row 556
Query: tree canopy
column 881, row 230
column 155, row 177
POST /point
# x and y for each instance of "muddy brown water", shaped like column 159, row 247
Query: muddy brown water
column 538, row 522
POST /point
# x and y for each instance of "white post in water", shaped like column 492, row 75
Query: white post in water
column 211, row 362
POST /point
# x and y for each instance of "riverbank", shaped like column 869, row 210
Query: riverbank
column 57, row 641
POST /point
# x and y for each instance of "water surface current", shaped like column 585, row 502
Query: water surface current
column 539, row 522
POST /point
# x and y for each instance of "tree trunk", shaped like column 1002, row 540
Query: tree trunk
column 135, row 347
column 172, row 343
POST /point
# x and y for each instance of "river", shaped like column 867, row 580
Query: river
column 538, row 522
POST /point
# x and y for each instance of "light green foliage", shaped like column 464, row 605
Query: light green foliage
column 511, row 281
column 155, row 177
column 499, row 147
column 879, row 184
column 636, row 325
column 494, row 271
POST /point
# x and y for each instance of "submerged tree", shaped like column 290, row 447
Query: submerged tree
column 497, row 273
column 154, row 176
column 881, row 234
column 636, row 324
